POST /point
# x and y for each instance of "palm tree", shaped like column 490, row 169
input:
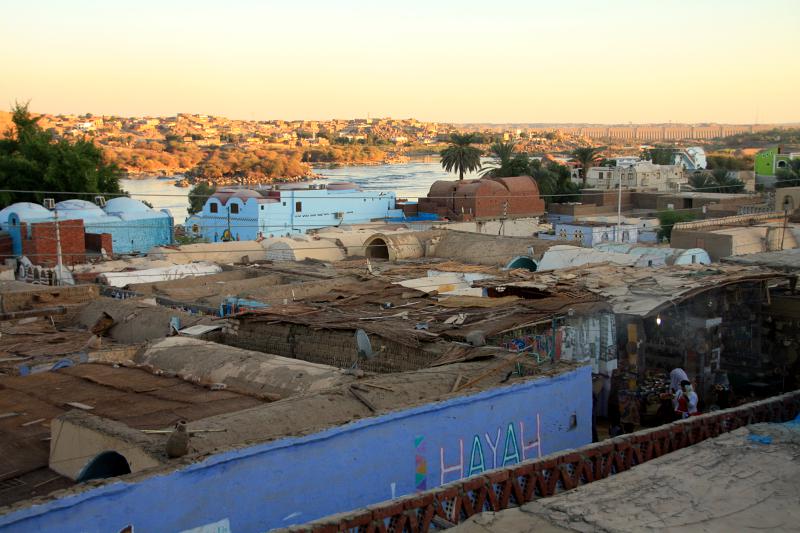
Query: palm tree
column 725, row 182
column 460, row 156
column 503, row 154
column 586, row 156
column 716, row 181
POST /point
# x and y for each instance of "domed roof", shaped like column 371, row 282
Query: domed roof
column 223, row 195
column 75, row 208
column 343, row 186
column 25, row 211
column 124, row 204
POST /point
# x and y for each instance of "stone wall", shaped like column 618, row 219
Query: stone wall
column 324, row 346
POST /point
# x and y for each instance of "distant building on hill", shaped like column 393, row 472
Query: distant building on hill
column 285, row 210
column 642, row 175
column 484, row 198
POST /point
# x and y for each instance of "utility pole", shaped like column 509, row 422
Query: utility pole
column 619, row 209
column 59, row 260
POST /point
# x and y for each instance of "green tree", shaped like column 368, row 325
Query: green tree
column 506, row 163
column 788, row 177
column 586, row 155
column 198, row 196
column 667, row 219
column 554, row 181
column 660, row 155
column 460, row 156
column 717, row 180
column 31, row 159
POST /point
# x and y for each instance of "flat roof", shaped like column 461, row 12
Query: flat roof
column 744, row 480
column 132, row 396
column 788, row 260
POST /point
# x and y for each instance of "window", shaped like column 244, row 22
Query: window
column 213, row 207
column 262, row 207
column 234, row 209
column 284, row 204
column 298, row 207
column 781, row 164
column 599, row 175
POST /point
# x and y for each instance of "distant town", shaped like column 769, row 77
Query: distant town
column 226, row 151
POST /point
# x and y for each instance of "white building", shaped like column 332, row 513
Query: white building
column 642, row 175
column 692, row 158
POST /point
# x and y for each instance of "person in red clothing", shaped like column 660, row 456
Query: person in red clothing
column 686, row 401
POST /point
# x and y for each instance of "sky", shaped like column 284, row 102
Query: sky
column 613, row 61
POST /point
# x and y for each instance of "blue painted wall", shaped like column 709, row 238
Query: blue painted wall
column 295, row 480
column 135, row 235
column 278, row 217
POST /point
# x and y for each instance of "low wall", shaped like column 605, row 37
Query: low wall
column 539, row 478
column 297, row 479
column 325, row 346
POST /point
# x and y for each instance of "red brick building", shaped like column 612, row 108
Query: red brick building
column 39, row 242
column 484, row 198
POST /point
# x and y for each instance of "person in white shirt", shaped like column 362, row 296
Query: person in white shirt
column 686, row 401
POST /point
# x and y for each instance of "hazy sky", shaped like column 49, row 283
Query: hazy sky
column 459, row 61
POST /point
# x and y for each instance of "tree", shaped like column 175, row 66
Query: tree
column 198, row 196
column 667, row 219
column 660, row 155
column 505, row 163
column 716, row 181
column 554, row 181
column 789, row 177
column 460, row 156
column 586, row 156
column 32, row 160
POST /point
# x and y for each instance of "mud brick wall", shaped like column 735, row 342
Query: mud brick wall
column 328, row 347
column 99, row 241
column 39, row 242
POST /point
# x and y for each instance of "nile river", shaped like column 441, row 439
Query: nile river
column 409, row 180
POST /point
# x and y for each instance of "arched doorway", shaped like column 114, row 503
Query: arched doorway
column 788, row 203
column 377, row 249
column 105, row 465
column 523, row 262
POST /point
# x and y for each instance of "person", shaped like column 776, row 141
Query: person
column 675, row 378
column 686, row 401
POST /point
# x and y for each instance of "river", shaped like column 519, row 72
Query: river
column 409, row 180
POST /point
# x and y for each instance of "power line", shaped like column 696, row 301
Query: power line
column 577, row 193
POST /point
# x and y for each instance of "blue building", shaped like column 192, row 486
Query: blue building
column 133, row 226
column 247, row 214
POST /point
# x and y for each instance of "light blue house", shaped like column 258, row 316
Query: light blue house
column 658, row 256
column 590, row 233
column 133, row 226
column 248, row 214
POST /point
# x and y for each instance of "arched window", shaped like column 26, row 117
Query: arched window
column 105, row 465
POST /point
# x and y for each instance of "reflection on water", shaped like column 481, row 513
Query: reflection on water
column 160, row 194
column 409, row 180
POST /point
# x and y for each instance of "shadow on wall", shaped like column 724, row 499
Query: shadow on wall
column 105, row 465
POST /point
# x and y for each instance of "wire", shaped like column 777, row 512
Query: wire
column 560, row 195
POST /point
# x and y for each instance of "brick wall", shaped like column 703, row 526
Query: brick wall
column 39, row 242
column 99, row 241
column 328, row 347
column 6, row 246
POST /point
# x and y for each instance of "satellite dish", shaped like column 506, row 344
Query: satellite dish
column 363, row 345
